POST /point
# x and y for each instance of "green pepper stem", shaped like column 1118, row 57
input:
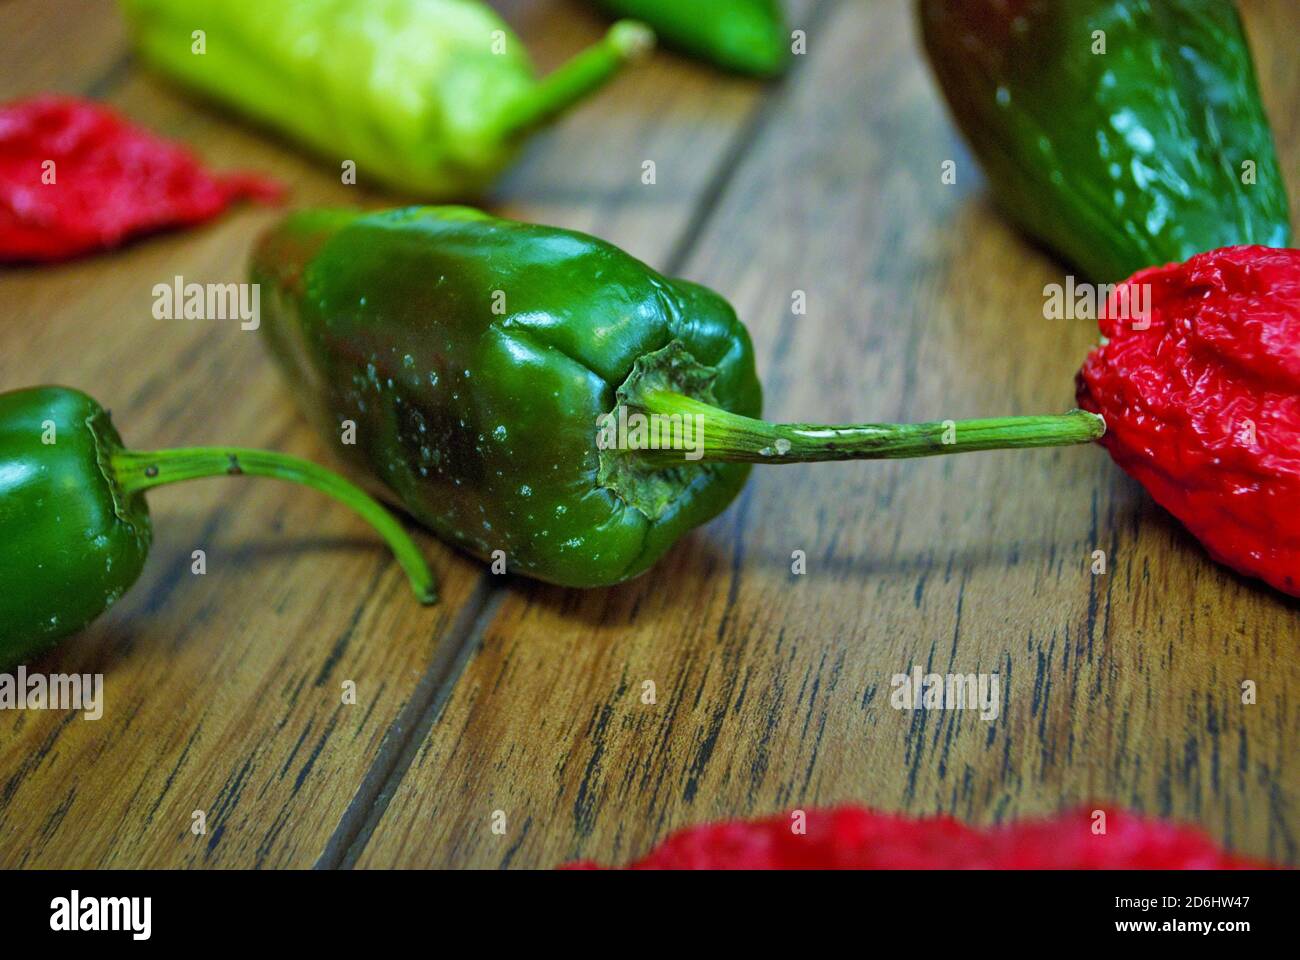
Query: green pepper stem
column 139, row 470
column 724, row 437
column 626, row 40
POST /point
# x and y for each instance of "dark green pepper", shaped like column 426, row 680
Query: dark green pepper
column 432, row 97
column 748, row 36
column 1122, row 133
column 74, row 526
column 484, row 370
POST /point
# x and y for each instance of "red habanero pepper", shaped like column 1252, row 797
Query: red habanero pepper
column 76, row 177
column 852, row 838
column 1201, row 397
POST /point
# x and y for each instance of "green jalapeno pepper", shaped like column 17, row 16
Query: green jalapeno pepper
column 503, row 381
column 1121, row 133
column 74, row 526
column 432, row 97
column 748, row 36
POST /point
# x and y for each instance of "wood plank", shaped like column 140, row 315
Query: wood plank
column 298, row 595
column 223, row 692
column 773, row 689
column 61, row 46
column 586, row 174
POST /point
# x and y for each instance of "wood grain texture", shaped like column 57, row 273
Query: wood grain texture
column 772, row 690
column 224, row 691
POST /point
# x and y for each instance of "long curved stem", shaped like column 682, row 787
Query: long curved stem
column 139, row 470
column 709, row 434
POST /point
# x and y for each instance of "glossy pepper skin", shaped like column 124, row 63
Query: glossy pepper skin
column 747, row 36
column 471, row 360
column 431, row 97
column 482, row 421
column 74, row 525
column 1118, row 160
column 1203, row 407
column 71, row 540
column 851, row 838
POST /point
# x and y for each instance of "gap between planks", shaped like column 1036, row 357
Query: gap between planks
column 407, row 734
column 111, row 78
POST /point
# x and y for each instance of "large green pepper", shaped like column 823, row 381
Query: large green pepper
column 1122, row 133
column 432, row 97
column 74, row 526
column 748, row 36
column 491, row 373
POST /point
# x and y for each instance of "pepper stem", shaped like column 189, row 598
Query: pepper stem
column 626, row 40
column 139, row 470
column 719, row 436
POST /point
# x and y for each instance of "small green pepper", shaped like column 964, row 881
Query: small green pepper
column 499, row 378
column 74, row 526
column 748, row 36
column 432, row 97
column 1122, row 133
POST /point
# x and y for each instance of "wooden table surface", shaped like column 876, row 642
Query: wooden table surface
column 520, row 705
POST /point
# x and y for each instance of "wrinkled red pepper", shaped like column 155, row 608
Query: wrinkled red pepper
column 851, row 838
column 76, row 177
column 1203, row 405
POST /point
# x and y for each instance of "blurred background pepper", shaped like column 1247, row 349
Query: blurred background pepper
column 431, row 97
column 748, row 36
column 1121, row 133
column 76, row 177
column 851, row 838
